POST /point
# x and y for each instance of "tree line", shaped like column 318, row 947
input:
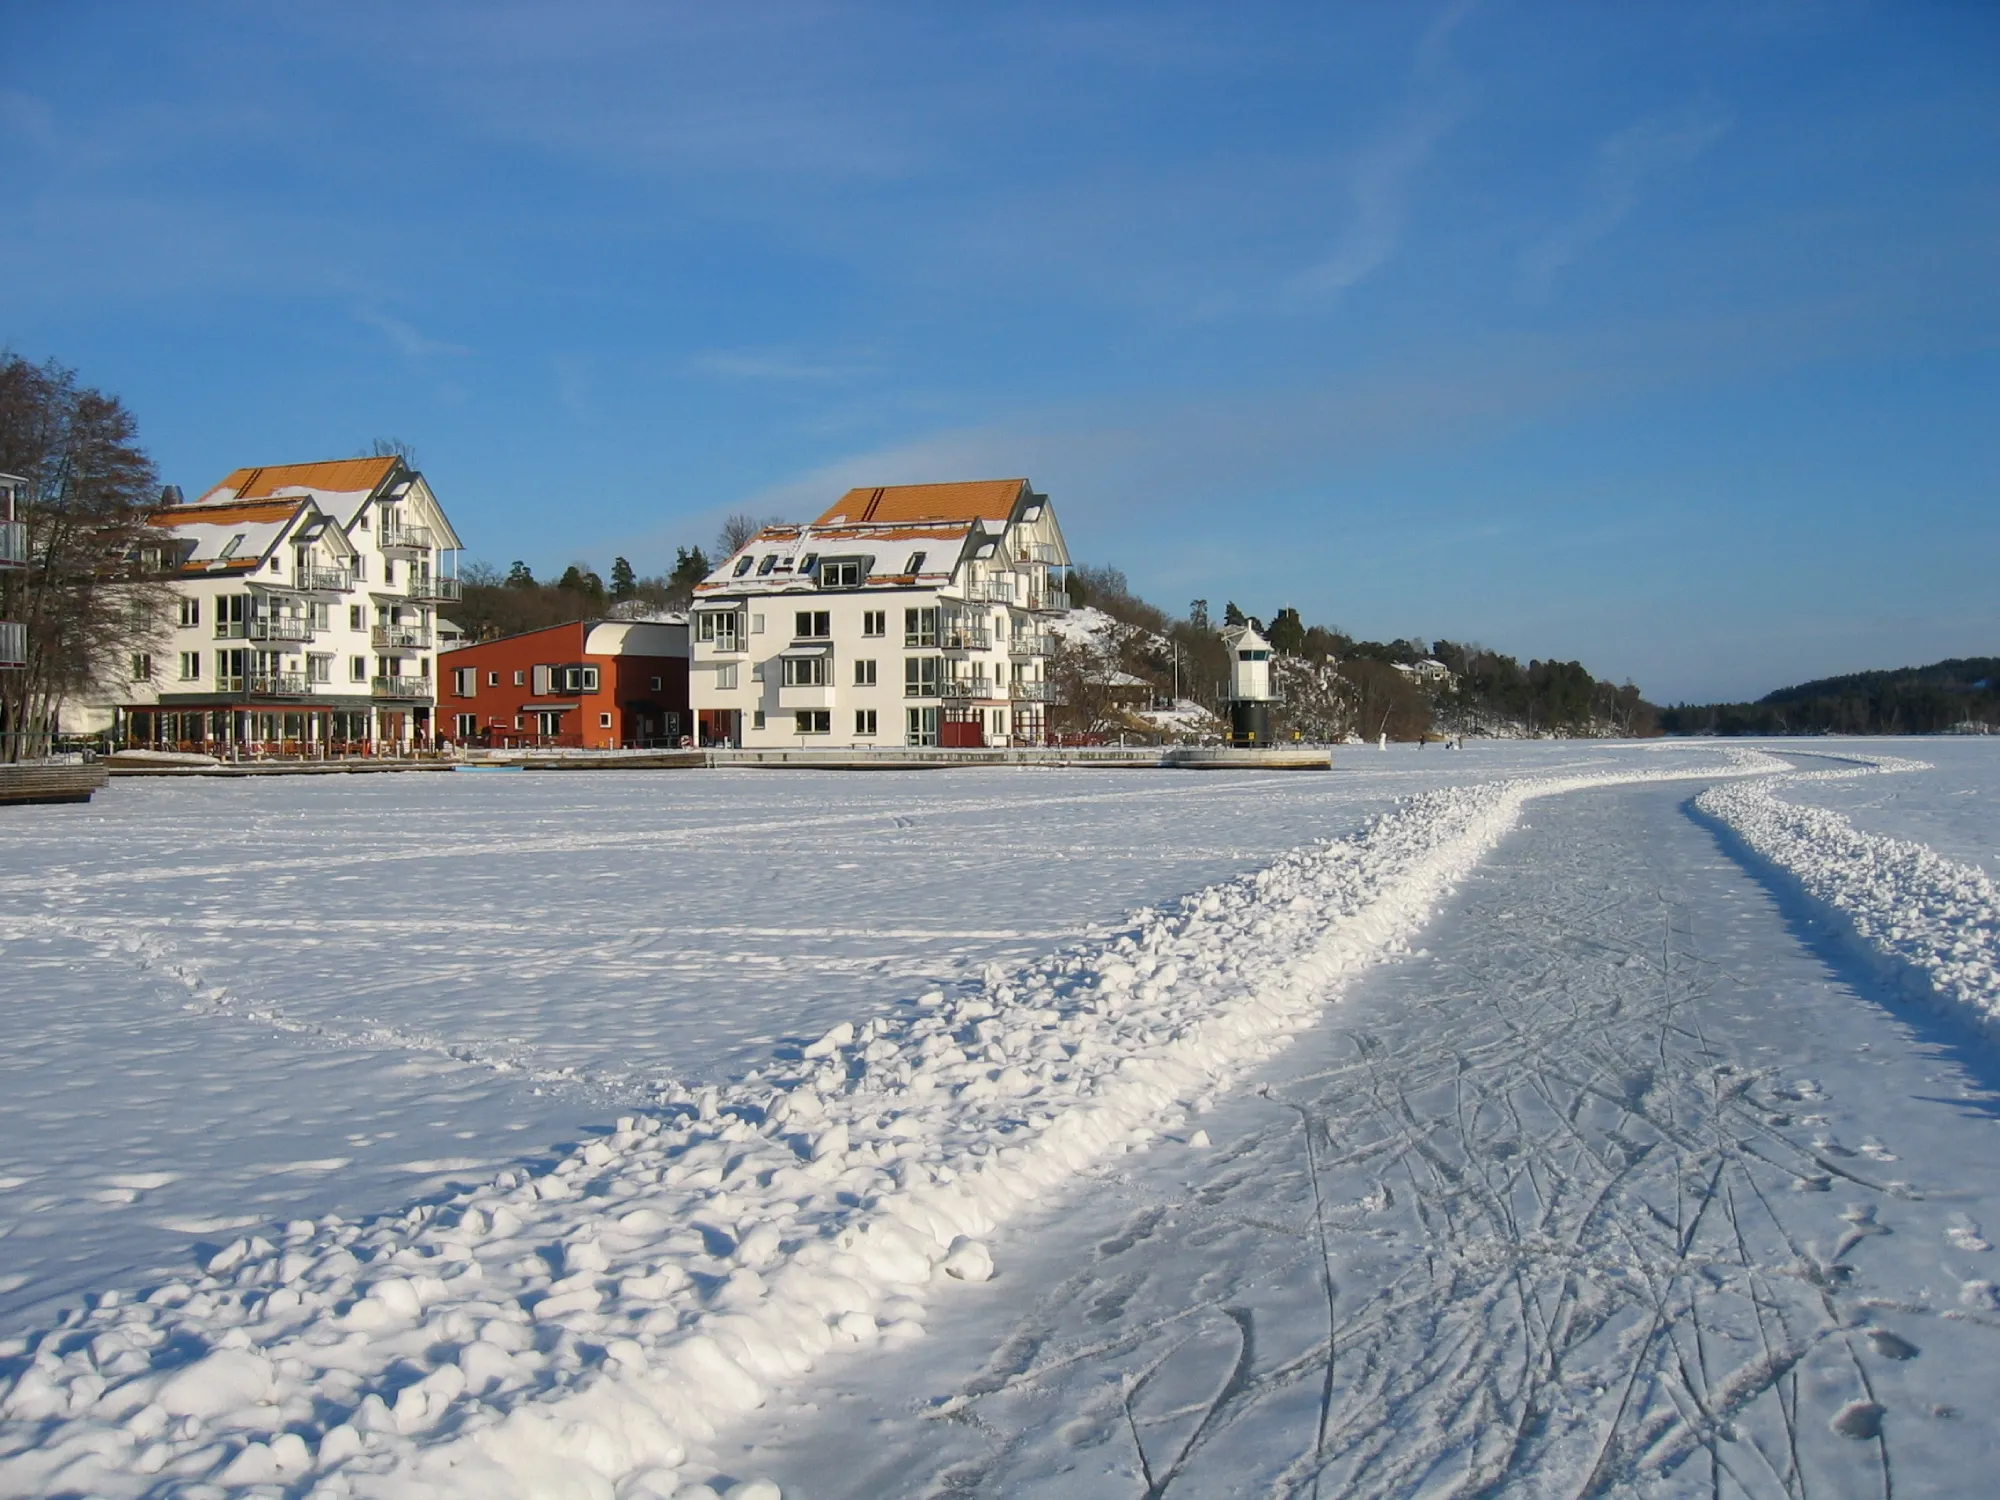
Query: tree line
column 1957, row 695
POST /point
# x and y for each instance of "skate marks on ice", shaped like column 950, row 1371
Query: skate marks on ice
column 1562, row 1212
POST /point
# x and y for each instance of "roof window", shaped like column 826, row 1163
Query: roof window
column 229, row 548
column 806, row 562
column 770, row 561
column 743, row 565
column 915, row 564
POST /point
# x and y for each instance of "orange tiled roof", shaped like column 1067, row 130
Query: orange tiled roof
column 944, row 532
column 989, row 499
column 346, row 475
column 227, row 513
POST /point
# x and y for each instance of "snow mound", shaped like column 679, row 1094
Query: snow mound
column 1929, row 921
column 575, row 1332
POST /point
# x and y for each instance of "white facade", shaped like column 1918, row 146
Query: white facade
column 908, row 615
column 1249, row 665
column 306, row 612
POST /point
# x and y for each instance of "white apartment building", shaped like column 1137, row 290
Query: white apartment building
column 907, row 615
column 306, row 613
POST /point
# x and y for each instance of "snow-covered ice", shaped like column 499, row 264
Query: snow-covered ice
column 959, row 1015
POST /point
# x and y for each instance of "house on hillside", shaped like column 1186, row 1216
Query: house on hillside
column 905, row 615
column 304, row 620
column 587, row 685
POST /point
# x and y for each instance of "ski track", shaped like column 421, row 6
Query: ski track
column 573, row 1332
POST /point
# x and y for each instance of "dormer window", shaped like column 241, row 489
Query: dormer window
column 840, row 573
column 743, row 565
column 915, row 564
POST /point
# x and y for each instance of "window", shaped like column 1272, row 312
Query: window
column 190, row 666
column 493, row 679
column 920, row 676
column 604, row 721
column 517, row 721
column 864, row 673
column 864, row 723
column 589, row 675
column 875, row 622
column 656, row 684
column 921, row 726
column 190, row 613
column 354, row 617
column 357, row 669
column 756, row 624
column 229, row 548
column 388, row 570
column 520, row 678
column 806, row 562
column 814, row 720
column 915, row 564
column 1253, row 656
column 757, row 719
column 465, row 682
column 725, row 676
column 231, row 611
column 229, row 669
column 920, row 627
column 743, row 565
column 805, row 671
column 364, row 527
column 844, row 573
column 719, row 629
column 770, row 561
column 318, row 613
column 465, row 726
column 812, row 625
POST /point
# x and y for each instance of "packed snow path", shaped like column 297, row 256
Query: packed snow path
column 1618, row 1188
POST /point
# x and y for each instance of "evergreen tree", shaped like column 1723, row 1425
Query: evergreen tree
column 1288, row 633
column 1198, row 615
column 1231, row 615
column 519, row 576
column 623, row 580
column 578, row 579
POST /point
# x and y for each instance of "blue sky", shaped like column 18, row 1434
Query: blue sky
column 1666, row 337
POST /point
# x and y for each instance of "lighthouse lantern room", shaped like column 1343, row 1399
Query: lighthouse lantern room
column 1250, row 693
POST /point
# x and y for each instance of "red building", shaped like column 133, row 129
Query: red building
column 588, row 685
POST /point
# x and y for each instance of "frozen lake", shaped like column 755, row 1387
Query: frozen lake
column 235, row 1002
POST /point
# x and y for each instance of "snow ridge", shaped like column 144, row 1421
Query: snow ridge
column 575, row 1332
column 1932, row 922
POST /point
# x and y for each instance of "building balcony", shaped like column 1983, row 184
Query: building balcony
column 13, row 644
column 1048, row 601
column 323, row 580
column 401, row 687
column 962, row 688
column 791, row 698
column 990, row 591
column 280, row 628
column 13, row 544
column 1031, row 645
column 407, row 539
column 279, row 685
column 1033, row 692
column 1037, row 555
column 400, row 638
column 433, row 588
column 962, row 639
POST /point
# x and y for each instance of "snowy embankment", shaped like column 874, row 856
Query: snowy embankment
column 1932, row 923
column 573, row 1332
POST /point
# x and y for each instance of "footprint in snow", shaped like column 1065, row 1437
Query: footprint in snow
column 1962, row 1233
column 1874, row 1150
column 1891, row 1345
column 1860, row 1420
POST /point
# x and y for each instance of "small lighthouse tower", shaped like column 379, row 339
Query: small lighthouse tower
column 1249, row 685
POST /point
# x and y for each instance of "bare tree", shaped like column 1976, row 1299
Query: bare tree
column 93, row 597
column 737, row 530
column 391, row 448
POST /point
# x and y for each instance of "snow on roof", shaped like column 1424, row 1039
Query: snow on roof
column 964, row 500
column 776, row 551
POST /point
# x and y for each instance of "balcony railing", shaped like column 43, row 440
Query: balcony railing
column 965, row 638
column 433, row 588
column 401, row 638
column 1048, row 601
column 1031, row 645
column 1037, row 553
column 323, row 580
column 13, row 644
column 1033, row 692
column 281, row 628
column 280, row 685
column 13, row 544
column 407, row 539
column 401, row 687
column 232, row 630
column 967, row 687
column 990, row 591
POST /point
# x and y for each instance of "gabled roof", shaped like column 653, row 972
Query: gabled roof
column 336, row 476
column 966, row 500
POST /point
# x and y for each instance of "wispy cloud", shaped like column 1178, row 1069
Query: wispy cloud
column 1625, row 163
column 408, row 340
column 776, row 365
column 1377, row 179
